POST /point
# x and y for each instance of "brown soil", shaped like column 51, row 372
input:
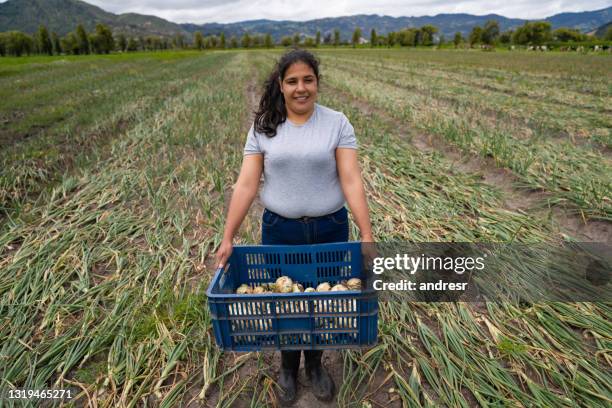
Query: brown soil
column 376, row 391
column 515, row 199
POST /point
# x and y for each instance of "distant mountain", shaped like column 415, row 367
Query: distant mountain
column 448, row 24
column 63, row 16
column 585, row 21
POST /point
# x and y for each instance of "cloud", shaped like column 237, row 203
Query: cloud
column 227, row 11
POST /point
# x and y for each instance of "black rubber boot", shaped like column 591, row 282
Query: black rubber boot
column 323, row 387
column 287, row 379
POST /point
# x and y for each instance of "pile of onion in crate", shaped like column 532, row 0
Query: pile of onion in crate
column 285, row 284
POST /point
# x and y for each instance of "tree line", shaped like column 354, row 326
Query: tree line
column 490, row 35
column 531, row 33
column 102, row 40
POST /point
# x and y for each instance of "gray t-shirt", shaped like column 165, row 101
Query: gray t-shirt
column 300, row 175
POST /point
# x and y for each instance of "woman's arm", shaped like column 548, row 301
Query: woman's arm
column 244, row 193
column 352, row 186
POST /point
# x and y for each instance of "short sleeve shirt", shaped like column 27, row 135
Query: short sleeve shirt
column 300, row 174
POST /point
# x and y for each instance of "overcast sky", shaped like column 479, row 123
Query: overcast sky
column 229, row 11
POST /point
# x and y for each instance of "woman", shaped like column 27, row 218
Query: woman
column 308, row 155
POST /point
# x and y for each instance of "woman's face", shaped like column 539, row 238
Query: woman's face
column 299, row 88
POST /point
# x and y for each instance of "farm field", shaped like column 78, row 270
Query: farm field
column 115, row 173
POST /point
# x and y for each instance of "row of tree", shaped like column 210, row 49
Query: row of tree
column 16, row 43
column 409, row 37
column 102, row 40
column 531, row 33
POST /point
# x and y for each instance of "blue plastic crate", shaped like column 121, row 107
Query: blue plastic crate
column 292, row 321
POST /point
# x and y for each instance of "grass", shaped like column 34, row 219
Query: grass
column 106, row 241
column 33, row 61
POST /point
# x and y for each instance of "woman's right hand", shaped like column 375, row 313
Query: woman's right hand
column 223, row 253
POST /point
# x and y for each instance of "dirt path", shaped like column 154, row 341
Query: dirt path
column 533, row 202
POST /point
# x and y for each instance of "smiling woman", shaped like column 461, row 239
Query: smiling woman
column 308, row 155
column 299, row 88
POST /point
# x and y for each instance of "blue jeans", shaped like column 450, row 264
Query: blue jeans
column 278, row 230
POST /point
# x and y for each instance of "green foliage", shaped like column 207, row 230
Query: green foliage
column 318, row 38
column 3, row 44
column 392, row 38
column 132, row 45
column 457, row 39
column 411, row 37
column 82, row 40
column 89, row 373
column 296, row 39
column 222, row 41
column 233, row 42
column 490, row 32
column 198, row 40
column 246, row 40
column 373, row 38
column 268, row 43
column 336, row 37
column 16, row 43
column 102, row 42
column 427, row 34
column 475, row 36
column 286, row 41
column 532, row 33
column 175, row 313
column 45, row 45
column 407, row 38
column 506, row 37
column 179, row 41
column 608, row 36
column 565, row 34
column 257, row 41
column 55, row 41
column 509, row 348
column 121, row 42
column 70, row 44
column 356, row 37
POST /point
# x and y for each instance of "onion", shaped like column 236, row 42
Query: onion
column 309, row 290
column 244, row 289
column 339, row 287
column 354, row 284
column 296, row 287
column 324, row 287
column 259, row 289
column 284, row 284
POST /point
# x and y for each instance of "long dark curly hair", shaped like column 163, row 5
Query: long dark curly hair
column 272, row 110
